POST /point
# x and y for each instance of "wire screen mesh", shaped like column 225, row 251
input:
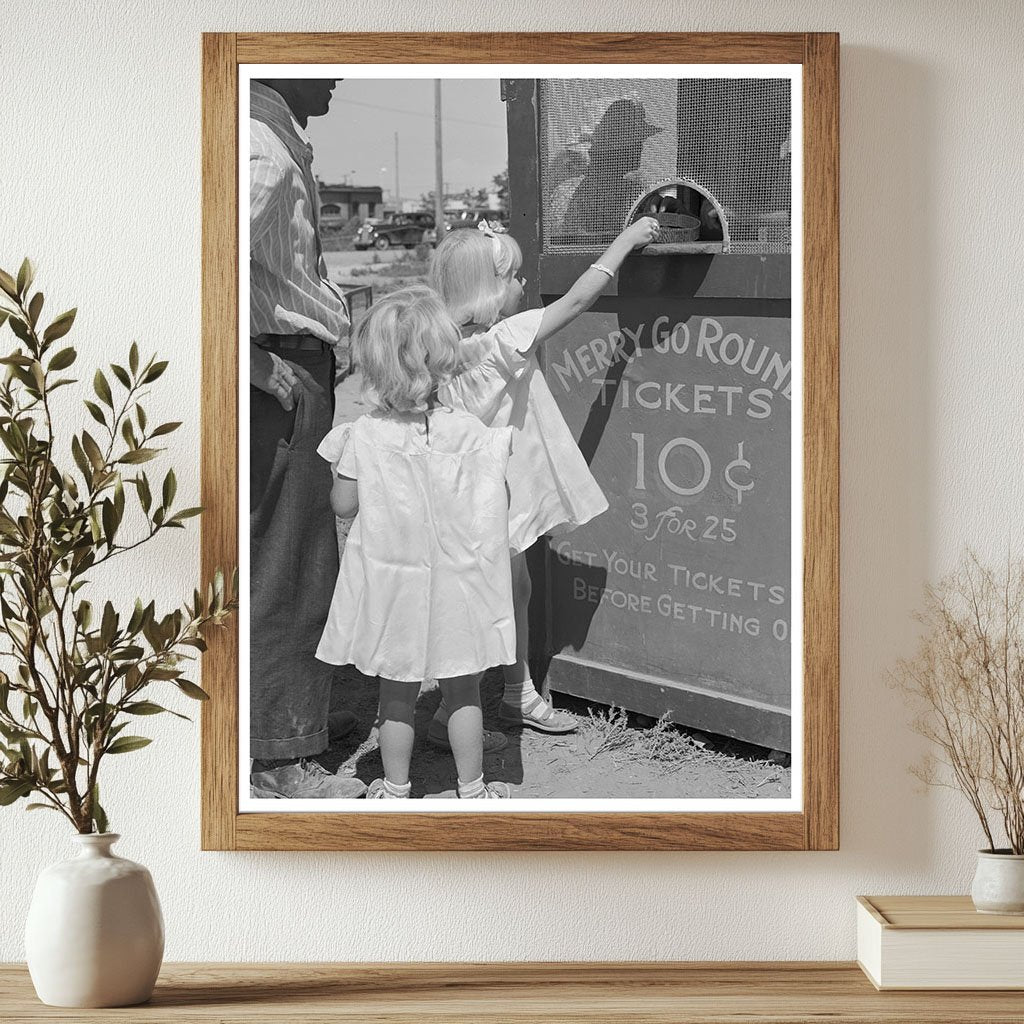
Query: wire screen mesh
column 606, row 143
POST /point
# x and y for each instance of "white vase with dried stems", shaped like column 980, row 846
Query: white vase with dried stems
column 966, row 681
column 77, row 670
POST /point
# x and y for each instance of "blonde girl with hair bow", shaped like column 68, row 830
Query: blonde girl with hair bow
column 551, row 487
column 424, row 590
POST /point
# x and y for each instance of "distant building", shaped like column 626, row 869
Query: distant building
column 340, row 203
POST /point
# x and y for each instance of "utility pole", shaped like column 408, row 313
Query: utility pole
column 398, row 194
column 438, row 165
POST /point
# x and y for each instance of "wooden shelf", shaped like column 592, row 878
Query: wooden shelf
column 630, row 993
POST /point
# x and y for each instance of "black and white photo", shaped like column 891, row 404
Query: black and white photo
column 520, row 424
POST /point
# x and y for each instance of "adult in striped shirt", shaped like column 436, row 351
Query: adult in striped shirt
column 298, row 327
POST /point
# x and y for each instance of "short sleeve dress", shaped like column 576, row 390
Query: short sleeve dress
column 552, row 488
column 424, row 589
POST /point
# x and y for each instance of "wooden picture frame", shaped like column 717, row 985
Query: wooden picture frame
column 816, row 825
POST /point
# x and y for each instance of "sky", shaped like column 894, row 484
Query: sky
column 355, row 139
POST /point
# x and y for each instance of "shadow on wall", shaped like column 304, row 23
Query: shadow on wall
column 888, row 289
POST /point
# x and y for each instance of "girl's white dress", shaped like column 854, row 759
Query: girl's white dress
column 424, row 589
column 552, row 488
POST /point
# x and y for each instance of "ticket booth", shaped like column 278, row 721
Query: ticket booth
column 678, row 385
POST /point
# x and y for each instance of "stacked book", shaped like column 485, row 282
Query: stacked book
column 938, row 942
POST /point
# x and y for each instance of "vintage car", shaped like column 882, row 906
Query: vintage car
column 453, row 220
column 471, row 218
column 397, row 230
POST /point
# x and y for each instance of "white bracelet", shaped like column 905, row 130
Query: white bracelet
column 604, row 270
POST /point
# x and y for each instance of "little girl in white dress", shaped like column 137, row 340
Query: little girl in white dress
column 552, row 489
column 424, row 589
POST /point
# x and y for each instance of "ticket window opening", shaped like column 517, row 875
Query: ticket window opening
column 690, row 219
column 710, row 158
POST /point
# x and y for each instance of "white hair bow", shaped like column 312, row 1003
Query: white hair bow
column 492, row 231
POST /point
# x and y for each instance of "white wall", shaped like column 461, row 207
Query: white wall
column 99, row 164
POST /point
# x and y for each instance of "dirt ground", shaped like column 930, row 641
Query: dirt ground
column 613, row 755
column 384, row 272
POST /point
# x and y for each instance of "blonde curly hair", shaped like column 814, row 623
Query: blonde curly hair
column 405, row 346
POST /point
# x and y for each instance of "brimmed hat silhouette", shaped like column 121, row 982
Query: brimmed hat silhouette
column 623, row 124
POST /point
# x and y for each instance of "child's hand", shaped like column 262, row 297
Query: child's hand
column 642, row 232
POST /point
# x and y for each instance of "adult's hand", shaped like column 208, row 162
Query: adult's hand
column 272, row 374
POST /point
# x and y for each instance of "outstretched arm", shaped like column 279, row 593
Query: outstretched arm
column 582, row 295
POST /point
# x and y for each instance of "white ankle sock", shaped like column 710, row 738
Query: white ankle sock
column 394, row 789
column 470, row 790
column 520, row 695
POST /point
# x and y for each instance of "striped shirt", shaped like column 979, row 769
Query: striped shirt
column 289, row 292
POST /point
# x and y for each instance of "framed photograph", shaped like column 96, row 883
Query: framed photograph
column 520, row 419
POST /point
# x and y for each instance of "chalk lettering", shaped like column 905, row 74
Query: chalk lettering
column 662, row 340
column 680, row 338
column 676, row 396
column 604, row 385
column 599, row 347
column 568, row 555
column 698, row 450
column 731, row 349
column 745, row 363
column 659, row 336
column 624, row 600
column 729, row 392
column 641, row 389
column 566, row 370
column 701, row 394
column 739, row 463
column 715, row 528
column 672, row 400
column 629, row 566
column 778, row 368
column 713, row 618
column 710, row 334
column 635, row 336
column 617, row 347
column 639, row 439
column 704, row 580
column 762, row 399
column 583, row 355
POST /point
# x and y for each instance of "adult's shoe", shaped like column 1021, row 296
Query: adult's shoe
column 304, row 780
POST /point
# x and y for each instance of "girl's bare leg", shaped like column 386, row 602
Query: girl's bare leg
column 521, row 697
column 517, row 674
column 397, row 711
column 465, row 724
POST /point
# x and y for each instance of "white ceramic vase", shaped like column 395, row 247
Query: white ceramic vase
column 95, row 934
column 999, row 883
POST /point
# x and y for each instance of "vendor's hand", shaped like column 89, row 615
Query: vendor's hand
column 270, row 373
column 642, row 232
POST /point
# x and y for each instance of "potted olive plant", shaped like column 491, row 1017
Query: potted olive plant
column 78, row 672
column 967, row 682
